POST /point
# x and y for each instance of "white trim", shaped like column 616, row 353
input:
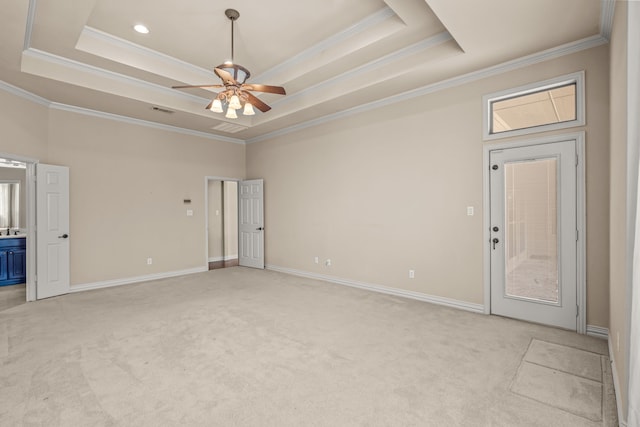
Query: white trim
column 546, row 55
column 433, row 299
column 581, row 294
column 140, row 122
column 598, row 332
column 207, row 179
column 606, row 18
column 31, row 15
column 340, row 37
column 136, row 279
column 137, row 51
column 223, row 258
column 567, row 79
column 616, row 385
column 15, row 90
column 398, row 55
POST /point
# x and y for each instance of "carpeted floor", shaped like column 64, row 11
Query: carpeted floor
column 244, row 347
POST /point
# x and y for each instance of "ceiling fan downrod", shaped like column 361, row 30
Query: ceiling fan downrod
column 233, row 15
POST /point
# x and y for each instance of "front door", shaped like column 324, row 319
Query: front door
column 533, row 233
column 52, row 234
column 251, row 223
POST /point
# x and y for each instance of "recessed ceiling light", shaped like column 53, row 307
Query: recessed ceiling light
column 141, row 29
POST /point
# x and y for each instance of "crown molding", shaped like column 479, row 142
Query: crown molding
column 15, row 90
column 31, row 16
column 139, row 122
column 545, row 55
column 606, row 18
column 396, row 56
column 137, row 51
column 43, row 56
column 336, row 39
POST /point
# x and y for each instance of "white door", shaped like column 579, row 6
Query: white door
column 533, row 233
column 251, row 223
column 52, row 233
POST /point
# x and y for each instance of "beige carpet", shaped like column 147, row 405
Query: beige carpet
column 243, row 347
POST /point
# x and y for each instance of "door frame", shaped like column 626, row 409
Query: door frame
column 581, row 294
column 30, row 190
column 208, row 179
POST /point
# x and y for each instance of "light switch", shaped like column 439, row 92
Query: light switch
column 470, row 210
column 189, row 212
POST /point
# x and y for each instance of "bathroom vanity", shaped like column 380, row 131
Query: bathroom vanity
column 13, row 260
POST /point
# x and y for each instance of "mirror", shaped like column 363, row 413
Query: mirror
column 9, row 204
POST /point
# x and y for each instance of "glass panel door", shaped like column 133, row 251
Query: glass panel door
column 531, row 229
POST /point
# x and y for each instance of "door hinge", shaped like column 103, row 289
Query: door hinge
column 577, row 235
column 577, row 159
column 577, row 310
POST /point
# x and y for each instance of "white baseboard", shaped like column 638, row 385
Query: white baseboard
column 448, row 302
column 616, row 386
column 598, row 332
column 223, row 258
column 137, row 279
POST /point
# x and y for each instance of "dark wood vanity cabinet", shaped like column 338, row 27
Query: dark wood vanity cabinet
column 13, row 261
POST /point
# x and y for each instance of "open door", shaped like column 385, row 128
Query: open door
column 52, row 234
column 251, row 223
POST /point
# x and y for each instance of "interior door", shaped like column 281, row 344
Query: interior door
column 251, row 223
column 533, row 233
column 52, row 233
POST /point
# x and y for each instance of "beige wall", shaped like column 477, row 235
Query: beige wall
column 230, row 219
column 619, row 234
column 15, row 174
column 223, row 225
column 386, row 191
column 127, row 185
column 23, row 127
column 216, row 232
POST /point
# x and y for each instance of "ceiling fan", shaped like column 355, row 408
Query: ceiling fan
column 236, row 94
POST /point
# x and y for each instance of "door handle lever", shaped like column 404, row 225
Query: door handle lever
column 494, row 241
column 64, row 236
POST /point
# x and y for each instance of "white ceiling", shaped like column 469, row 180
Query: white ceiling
column 330, row 55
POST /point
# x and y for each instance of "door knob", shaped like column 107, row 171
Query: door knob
column 496, row 229
column 260, row 228
column 494, row 241
column 64, row 236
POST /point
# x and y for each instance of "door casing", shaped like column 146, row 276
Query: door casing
column 581, row 294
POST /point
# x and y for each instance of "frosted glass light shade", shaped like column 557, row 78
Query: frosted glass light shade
column 216, row 107
column 231, row 113
column 234, row 103
column 248, row 109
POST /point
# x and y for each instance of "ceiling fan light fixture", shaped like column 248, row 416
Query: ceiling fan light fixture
column 231, row 113
column 234, row 103
column 248, row 109
column 216, row 106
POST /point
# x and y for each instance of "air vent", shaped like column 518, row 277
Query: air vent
column 229, row 127
column 162, row 110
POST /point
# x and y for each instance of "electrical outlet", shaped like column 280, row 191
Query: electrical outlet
column 149, row 261
column 316, row 260
column 412, row 274
column 328, row 263
column 189, row 212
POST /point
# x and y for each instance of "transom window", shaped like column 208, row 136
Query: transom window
column 539, row 107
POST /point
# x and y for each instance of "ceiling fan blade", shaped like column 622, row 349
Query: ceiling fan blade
column 195, row 86
column 226, row 77
column 256, row 102
column 264, row 88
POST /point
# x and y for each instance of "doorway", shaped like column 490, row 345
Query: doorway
column 535, row 238
column 222, row 223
